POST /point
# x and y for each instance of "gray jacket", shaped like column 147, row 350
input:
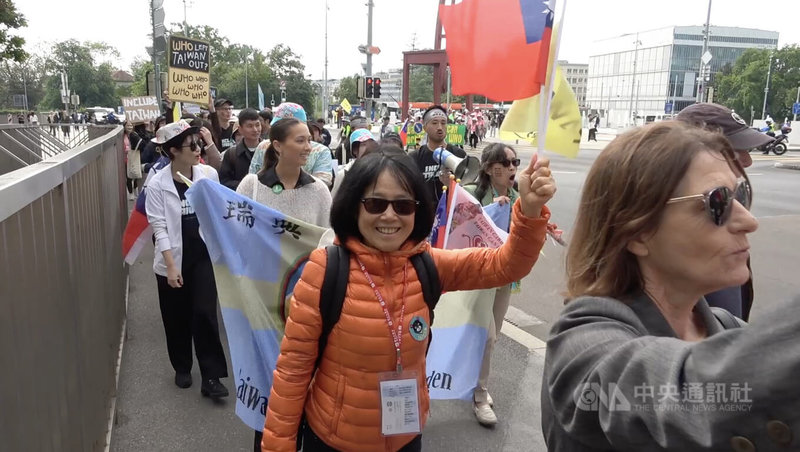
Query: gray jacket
column 617, row 378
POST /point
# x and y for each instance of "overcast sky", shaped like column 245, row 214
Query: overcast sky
column 397, row 25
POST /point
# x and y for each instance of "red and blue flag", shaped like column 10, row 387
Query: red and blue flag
column 498, row 48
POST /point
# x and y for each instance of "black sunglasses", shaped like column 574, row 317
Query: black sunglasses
column 507, row 162
column 194, row 145
column 719, row 201
column 400, row 206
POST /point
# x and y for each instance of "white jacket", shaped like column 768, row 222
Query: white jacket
column 163, row 206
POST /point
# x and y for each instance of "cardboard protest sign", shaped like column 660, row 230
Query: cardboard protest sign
column 189, row 66
column 139, row 110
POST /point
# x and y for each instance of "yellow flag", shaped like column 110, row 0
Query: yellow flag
column 176, row 111
column 563, row 126
column 346, row 106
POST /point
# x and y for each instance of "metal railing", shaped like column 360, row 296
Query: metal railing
column 62, row 291
column 23, row 145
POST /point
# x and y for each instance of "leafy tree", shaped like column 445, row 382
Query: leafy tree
column 10, row 45
column 420, row 84
column 228, row 70
column 347, row 89
column 139, row 70
column 16, row 78
column 741, row 86
column 91, row 81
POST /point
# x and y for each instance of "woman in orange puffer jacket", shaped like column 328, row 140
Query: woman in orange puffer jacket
column 383, row 216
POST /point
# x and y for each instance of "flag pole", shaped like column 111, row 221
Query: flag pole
column 547, row 93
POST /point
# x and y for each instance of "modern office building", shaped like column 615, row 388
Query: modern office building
column 577, row 76
column 640, row 77
column 391, row 86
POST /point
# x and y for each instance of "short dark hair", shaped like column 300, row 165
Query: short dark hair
column 278, row 132
column 266, row 114
column 248, row 114
column 364, row 172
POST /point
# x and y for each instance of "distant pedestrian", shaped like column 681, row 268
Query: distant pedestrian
column 9, row 118
column 326, row 135
column 265, row 117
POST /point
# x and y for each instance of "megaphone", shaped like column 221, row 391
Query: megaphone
column 467, row 169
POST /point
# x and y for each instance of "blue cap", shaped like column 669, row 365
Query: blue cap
column 360, row 135
column 288, row 110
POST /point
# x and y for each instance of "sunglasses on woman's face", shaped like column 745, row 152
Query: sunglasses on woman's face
column 507, row 162
column 377, row 206
column 719, row 201
column 194, row 144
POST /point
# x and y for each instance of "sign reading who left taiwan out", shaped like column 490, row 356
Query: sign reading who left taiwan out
column 189, row 65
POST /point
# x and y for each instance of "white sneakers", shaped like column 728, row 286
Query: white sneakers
column 485, row 414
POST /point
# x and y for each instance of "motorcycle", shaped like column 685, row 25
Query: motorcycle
column 779, row 144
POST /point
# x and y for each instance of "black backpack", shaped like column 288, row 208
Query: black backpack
column 334, row 287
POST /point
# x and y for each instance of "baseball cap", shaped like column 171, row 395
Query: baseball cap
column 724, row 120
column 360, row 136
column 222, row 101
column 358, row 123
column 174, row 130
column 288, row 110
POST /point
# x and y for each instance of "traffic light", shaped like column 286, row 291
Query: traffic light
column 368, row 88
column 376, row 89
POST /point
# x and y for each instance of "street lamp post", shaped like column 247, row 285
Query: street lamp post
column 766, row 89
column 637, row 43
column 703, row 64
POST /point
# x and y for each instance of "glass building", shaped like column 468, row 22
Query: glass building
column 641, row 77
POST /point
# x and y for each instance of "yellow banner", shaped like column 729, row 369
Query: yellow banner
column 346, row 106
column 189, row 66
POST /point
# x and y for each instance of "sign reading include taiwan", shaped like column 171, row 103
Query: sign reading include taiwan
column 189, row 65
column 140, row 110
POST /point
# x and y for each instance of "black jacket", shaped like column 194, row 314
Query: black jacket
column 235, row 165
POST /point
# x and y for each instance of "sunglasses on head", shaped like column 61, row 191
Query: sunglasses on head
column 400, row 206
column 719, row 201
column 507, row 162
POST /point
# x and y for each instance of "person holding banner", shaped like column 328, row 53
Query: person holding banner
column 495, row 185
column 283, row 185
column 187, row 292
column 374, row 357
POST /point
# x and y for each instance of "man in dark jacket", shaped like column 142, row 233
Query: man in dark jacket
column 436, row 175
column 236, row 162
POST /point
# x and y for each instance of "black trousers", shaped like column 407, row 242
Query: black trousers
column 313, row 443
column 473, row 139
column 190, row 313
column 592, row 134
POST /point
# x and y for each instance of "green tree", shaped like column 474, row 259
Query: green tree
column 91, row 81
column 347, row 89
column 741, row 86
column 420, row 84
column 11, row 45
column 18, row 78
column 228, row 70
column 139, row 70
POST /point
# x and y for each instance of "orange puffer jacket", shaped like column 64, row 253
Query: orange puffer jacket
column 342, row 404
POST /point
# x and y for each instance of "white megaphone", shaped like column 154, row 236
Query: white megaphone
column 467, row 169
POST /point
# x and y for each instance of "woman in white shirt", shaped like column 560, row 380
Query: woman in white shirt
column 187, row 291
column 282, row 184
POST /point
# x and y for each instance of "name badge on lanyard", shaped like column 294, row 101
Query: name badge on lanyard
column 398, row 389
column 399, row 403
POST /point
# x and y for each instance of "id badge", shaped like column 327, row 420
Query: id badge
column 399, row 403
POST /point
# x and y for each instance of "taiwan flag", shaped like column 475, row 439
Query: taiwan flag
column 498, row 48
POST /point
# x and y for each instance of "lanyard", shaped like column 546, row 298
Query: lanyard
column 397, row 335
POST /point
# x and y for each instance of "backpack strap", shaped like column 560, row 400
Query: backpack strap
column 728, row 320
column 331, row 295
column 431, row 285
